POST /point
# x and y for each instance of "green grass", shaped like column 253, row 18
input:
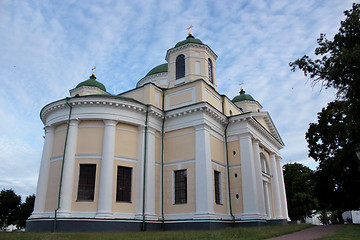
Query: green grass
column 347, row 232
column 229, row 233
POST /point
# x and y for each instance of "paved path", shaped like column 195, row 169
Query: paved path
column 309, row 233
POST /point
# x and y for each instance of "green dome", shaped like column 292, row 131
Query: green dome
column 189, row 39
column 158, row 69
column 242, row 97
column 91, row 82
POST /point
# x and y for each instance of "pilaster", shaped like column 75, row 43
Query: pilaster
column 204, row 179
column 140, row 173
column 150, row 176
column 248, row 178
column 44, row 173
column 259, row 180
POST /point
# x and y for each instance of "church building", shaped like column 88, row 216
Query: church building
column 172, row 153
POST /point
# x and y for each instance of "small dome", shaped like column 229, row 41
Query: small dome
column 158, row 69
column 242, row 97
column 189, row 39
column 91, row 82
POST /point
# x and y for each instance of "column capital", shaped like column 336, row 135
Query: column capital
column 49, row 129
column 245, row 135
column 109, row 122
column 74, row 122
column 256, row 142
column 201, row 126
column 151, row 130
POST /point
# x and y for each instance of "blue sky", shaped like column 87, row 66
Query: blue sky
column 48, row 47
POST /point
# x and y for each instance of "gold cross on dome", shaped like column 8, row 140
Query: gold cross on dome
column 93, row 70
column 189, row 28
column 241, row 85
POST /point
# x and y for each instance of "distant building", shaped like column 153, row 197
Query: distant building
column 171, row 153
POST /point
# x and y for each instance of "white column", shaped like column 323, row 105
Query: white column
column 68, row 172
column 139, row 174
column 150, row 176
column 248, row 178
column 275, row 186
column 107, row 171
column 259, row 180
column 282, row 189
column 267, row 199
column 42, row 184
column 204, row 179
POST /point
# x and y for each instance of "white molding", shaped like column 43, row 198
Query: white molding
column 125, row 159
column 214, row 96
column 169, row 96
column 179, row 162
column 187, row 45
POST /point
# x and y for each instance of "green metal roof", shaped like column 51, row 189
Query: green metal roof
column 158, row 69
column 242, row 97
column 189, row 39
column 91, row 82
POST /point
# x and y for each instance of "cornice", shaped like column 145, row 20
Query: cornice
column 202, row 107
column 121, row 104
column 249, row 118
column 172, row 50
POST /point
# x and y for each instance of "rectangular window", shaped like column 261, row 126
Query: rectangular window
column 217, row 183
column 180, row 186
column 123, row 184
column 86, row 186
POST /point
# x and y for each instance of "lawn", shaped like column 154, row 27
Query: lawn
column 229, row 233
column 347, row 232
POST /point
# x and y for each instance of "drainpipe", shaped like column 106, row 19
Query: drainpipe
column 228, row 171
column 162, row 164
column 144, row 178
column 227, row 163
column 62, row 164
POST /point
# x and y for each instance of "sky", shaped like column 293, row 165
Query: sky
column 48, row 47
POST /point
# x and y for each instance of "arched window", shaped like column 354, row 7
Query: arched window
column 264, row 164
column 180, row 66
column 210, row 67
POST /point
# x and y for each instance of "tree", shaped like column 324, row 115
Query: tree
column 331, row 143
column 333, row 140
column 299, row 190
column 26, row 209
column 9, row 207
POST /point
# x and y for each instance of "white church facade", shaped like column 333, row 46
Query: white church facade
column 172, row 153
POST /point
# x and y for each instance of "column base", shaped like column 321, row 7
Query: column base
column 63, row 214
column 36, row 215
column 199, row 216
column 104, row 215
column 253, row 216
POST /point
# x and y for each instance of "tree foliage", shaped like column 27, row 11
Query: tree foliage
column 25, row 210
column 299, row 190
column 333, row 140
column 331, row 143
column 9, row 207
